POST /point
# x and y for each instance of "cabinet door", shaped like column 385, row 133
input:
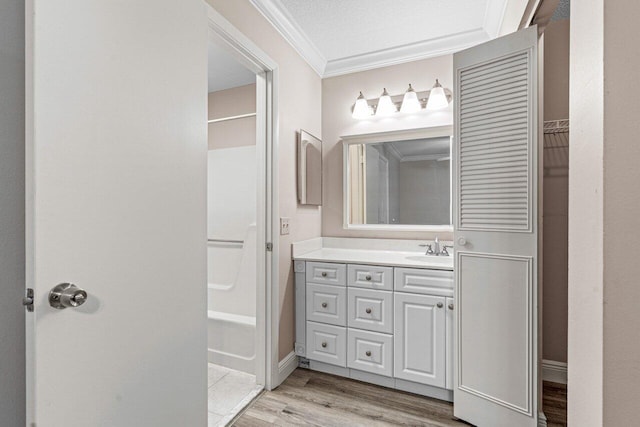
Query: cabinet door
column 419, row 338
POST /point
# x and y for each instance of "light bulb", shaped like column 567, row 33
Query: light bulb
column 386, row 107
column 437, row 98
column 410, row 102
column 361, row 109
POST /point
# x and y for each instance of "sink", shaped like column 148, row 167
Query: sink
column 431, row 259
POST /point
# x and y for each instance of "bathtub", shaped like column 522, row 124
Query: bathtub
column 231, row 327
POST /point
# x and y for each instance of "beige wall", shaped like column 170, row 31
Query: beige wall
column 299, row 106
column 338, row 95
column 556, row 196
column 621, row 229
column 227, row 103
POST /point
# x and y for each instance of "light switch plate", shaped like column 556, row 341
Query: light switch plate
column 284, row 226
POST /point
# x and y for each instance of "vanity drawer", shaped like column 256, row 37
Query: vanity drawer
column 327, row 343
column 370, row 277
column 370, row 310
column 327, row 304
column 370, row 352
column 423, row 281
column 325, row 273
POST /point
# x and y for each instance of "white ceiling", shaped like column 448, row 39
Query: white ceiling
column 342, row 36
column 225, row 72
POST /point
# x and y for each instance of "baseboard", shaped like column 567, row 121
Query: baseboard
column 542, row 420
column 286, row 367
column 554, row 371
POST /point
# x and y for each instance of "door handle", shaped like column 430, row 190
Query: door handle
column 67, row 295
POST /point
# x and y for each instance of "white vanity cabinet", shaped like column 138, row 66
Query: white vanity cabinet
column 388, row 325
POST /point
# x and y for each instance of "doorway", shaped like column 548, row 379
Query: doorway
column 241, row 255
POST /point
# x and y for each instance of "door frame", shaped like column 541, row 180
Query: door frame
column 255, row 59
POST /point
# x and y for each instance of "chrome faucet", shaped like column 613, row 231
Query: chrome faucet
column 437, row 249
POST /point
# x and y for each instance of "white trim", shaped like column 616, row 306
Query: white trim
column 542, row 419
column 389, row 136
column 224, row 119
column 494, row 16
column 279, row 17
column 267, row 309
column 554, row 371
column 406, row 53
column 286, row 367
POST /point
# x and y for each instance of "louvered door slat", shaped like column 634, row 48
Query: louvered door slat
column 494, row 156
column 491, row 68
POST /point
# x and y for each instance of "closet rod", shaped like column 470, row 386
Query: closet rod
column 224, row 119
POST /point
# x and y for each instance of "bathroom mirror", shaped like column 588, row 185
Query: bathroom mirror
column 309, row 169
column 398, row 180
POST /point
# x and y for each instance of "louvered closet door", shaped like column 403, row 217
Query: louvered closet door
column 496, row 190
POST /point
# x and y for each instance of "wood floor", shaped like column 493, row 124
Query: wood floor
column 312, row 398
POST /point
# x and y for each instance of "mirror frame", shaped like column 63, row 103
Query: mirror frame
column 391, row 136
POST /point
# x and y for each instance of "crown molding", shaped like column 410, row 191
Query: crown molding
column 275, row 12
column 494, row 16
column 406, row 53
column 279, row 17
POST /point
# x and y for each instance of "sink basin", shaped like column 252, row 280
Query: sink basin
column 431, row 259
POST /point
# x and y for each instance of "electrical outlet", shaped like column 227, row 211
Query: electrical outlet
column 284, row 226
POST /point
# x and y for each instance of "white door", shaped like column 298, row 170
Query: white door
column 419, row 338
column 116, row 172
column 496, row 231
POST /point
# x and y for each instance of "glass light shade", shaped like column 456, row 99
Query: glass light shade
column 410, row 102
column 361, row 110
column 437, row 98
column 386, row 107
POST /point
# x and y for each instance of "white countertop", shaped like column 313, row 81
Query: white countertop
column 393, row 258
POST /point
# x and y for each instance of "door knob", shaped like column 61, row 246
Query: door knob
column 67, row 295
column 440, row 305
column 462, row 241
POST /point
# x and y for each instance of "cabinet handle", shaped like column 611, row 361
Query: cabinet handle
column 368, row 277
column 324, row 305
column 450, row 306
column 324, row 274
column 440, row 305
column 368, row 353
column 324, row 344
column 368, row 310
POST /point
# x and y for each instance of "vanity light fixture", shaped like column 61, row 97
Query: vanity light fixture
column 437, row 98
column 410, row 102
column 386, row 107
column 361, row 109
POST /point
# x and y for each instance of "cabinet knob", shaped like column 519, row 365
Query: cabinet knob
column 368, row 311
column 368, row 353
column 324, row 305
column 368, row 277
column 324, row 344
column 462, row 241
column 440, row 305
column 324, row 274
column 450, row 306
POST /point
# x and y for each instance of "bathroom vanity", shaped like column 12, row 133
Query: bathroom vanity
column 378, row 311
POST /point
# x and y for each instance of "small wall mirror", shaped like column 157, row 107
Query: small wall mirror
column 398, row 180
column 309, row 169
